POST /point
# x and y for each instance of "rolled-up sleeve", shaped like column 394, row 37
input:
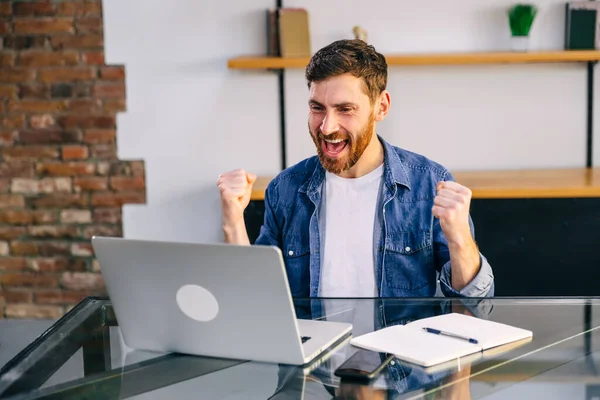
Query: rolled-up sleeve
column 482, row 285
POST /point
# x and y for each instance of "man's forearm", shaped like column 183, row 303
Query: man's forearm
column 465, row 262
column 236, row 234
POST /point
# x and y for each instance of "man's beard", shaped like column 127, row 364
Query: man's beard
column 355, row 148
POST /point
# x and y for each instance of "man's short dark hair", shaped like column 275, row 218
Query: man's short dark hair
column 350, row 56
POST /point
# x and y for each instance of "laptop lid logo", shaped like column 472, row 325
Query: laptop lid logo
column 197, row 303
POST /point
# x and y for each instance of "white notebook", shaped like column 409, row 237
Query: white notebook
column 415, row 345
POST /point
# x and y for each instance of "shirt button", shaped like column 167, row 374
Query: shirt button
column 291, row 253
column 407, row 248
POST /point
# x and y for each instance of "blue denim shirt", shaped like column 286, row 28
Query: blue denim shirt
column 409, row 246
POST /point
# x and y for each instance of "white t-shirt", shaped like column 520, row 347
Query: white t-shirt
column 347, row 218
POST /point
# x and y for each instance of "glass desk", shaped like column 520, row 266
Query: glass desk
column 83, row 356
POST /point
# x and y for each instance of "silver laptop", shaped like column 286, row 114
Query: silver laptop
column 216, row 300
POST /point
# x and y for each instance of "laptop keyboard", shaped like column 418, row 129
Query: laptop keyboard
column 304, row 338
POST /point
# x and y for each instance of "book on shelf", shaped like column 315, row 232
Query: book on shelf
column 582, row 25
column 272, row 34
column 288, row 32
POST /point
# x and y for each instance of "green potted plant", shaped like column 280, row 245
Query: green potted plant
column 520, row 18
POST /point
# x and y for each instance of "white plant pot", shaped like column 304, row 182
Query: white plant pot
column 519, row 43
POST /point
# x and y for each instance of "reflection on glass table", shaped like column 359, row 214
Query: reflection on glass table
column 83, row 355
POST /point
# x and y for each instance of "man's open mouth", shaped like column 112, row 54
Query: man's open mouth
column 333, row 147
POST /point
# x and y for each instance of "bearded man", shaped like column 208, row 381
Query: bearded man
column 362, row 218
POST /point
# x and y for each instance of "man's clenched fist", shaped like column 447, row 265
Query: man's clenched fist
column 451, row 206
column 235, row 188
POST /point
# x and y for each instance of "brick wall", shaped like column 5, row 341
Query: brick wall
column 60, row 179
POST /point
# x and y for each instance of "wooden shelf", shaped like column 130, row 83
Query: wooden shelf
column 433, row 59
column 547, row 183
column 267, row 62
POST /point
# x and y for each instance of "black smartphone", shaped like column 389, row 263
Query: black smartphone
column 364, row 365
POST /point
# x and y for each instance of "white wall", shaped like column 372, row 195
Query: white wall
column 190, row 118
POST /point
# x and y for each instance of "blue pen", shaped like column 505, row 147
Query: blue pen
column 438, row 332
